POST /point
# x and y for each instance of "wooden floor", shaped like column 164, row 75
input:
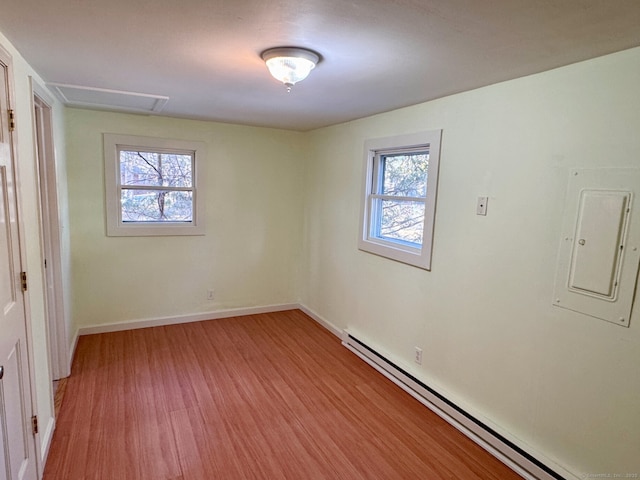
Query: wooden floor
column 271, row 396
column 59, row 388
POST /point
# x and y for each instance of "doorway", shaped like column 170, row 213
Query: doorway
column 50, row 231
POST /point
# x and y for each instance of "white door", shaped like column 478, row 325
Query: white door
column 17, row 445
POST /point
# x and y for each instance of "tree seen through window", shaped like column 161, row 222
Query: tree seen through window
column 156, row 186
column 402, row 191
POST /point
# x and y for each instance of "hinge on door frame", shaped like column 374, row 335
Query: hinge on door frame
column 12, row 120
column 23, row 281
column 34, row 424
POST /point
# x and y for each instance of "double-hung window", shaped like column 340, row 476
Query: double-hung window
column 152, row 186
column 399, row 201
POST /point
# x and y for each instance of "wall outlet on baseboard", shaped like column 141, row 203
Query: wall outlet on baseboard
column 418, row 356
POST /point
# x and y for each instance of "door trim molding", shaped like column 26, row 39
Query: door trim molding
column 46, row 168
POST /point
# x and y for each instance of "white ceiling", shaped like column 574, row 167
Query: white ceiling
column 377, row 55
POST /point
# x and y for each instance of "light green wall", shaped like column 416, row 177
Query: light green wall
column 250, row 254
column 563, row 383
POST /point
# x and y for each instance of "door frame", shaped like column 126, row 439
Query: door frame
column 34, row 440
column 47, row 176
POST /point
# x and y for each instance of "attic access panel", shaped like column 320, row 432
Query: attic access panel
column 105, row 99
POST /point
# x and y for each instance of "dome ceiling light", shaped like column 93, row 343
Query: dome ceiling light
column 290, row 64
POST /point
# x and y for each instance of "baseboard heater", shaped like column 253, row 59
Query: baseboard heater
column 502, row 448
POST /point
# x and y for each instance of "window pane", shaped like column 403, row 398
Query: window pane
column 140, row 168
column 405, row 174
column 156, row 206
column 401, row 221
column 176, row 170
column 157, row 169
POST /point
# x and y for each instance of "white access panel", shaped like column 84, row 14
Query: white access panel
column 600, row 246
column 596, row 257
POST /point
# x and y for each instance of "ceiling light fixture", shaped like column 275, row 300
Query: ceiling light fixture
column 290, row 64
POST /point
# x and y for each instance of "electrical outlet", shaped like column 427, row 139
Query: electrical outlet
column 210, row 294
column 418, row 356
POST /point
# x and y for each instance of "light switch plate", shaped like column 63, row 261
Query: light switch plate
column 481, row 208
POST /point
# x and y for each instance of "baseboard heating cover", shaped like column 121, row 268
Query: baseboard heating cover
column 502, row 448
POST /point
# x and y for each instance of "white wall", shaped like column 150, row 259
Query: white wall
column 30, row 211
column 250, row 254
column 565, row 384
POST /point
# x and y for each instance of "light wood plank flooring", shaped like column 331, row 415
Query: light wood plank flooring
column 271, row 396
column 59, row 387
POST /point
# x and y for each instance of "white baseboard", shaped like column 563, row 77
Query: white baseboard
column 530, row 473
column 46, row 440
column 322, row 321
column 72, row 349
column 197, row 317
column 521, row 458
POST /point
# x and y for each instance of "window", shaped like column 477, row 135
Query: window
column 398, row 208
column 153, row 186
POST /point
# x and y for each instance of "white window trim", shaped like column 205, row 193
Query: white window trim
column 418, row 257
column 115, row 226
